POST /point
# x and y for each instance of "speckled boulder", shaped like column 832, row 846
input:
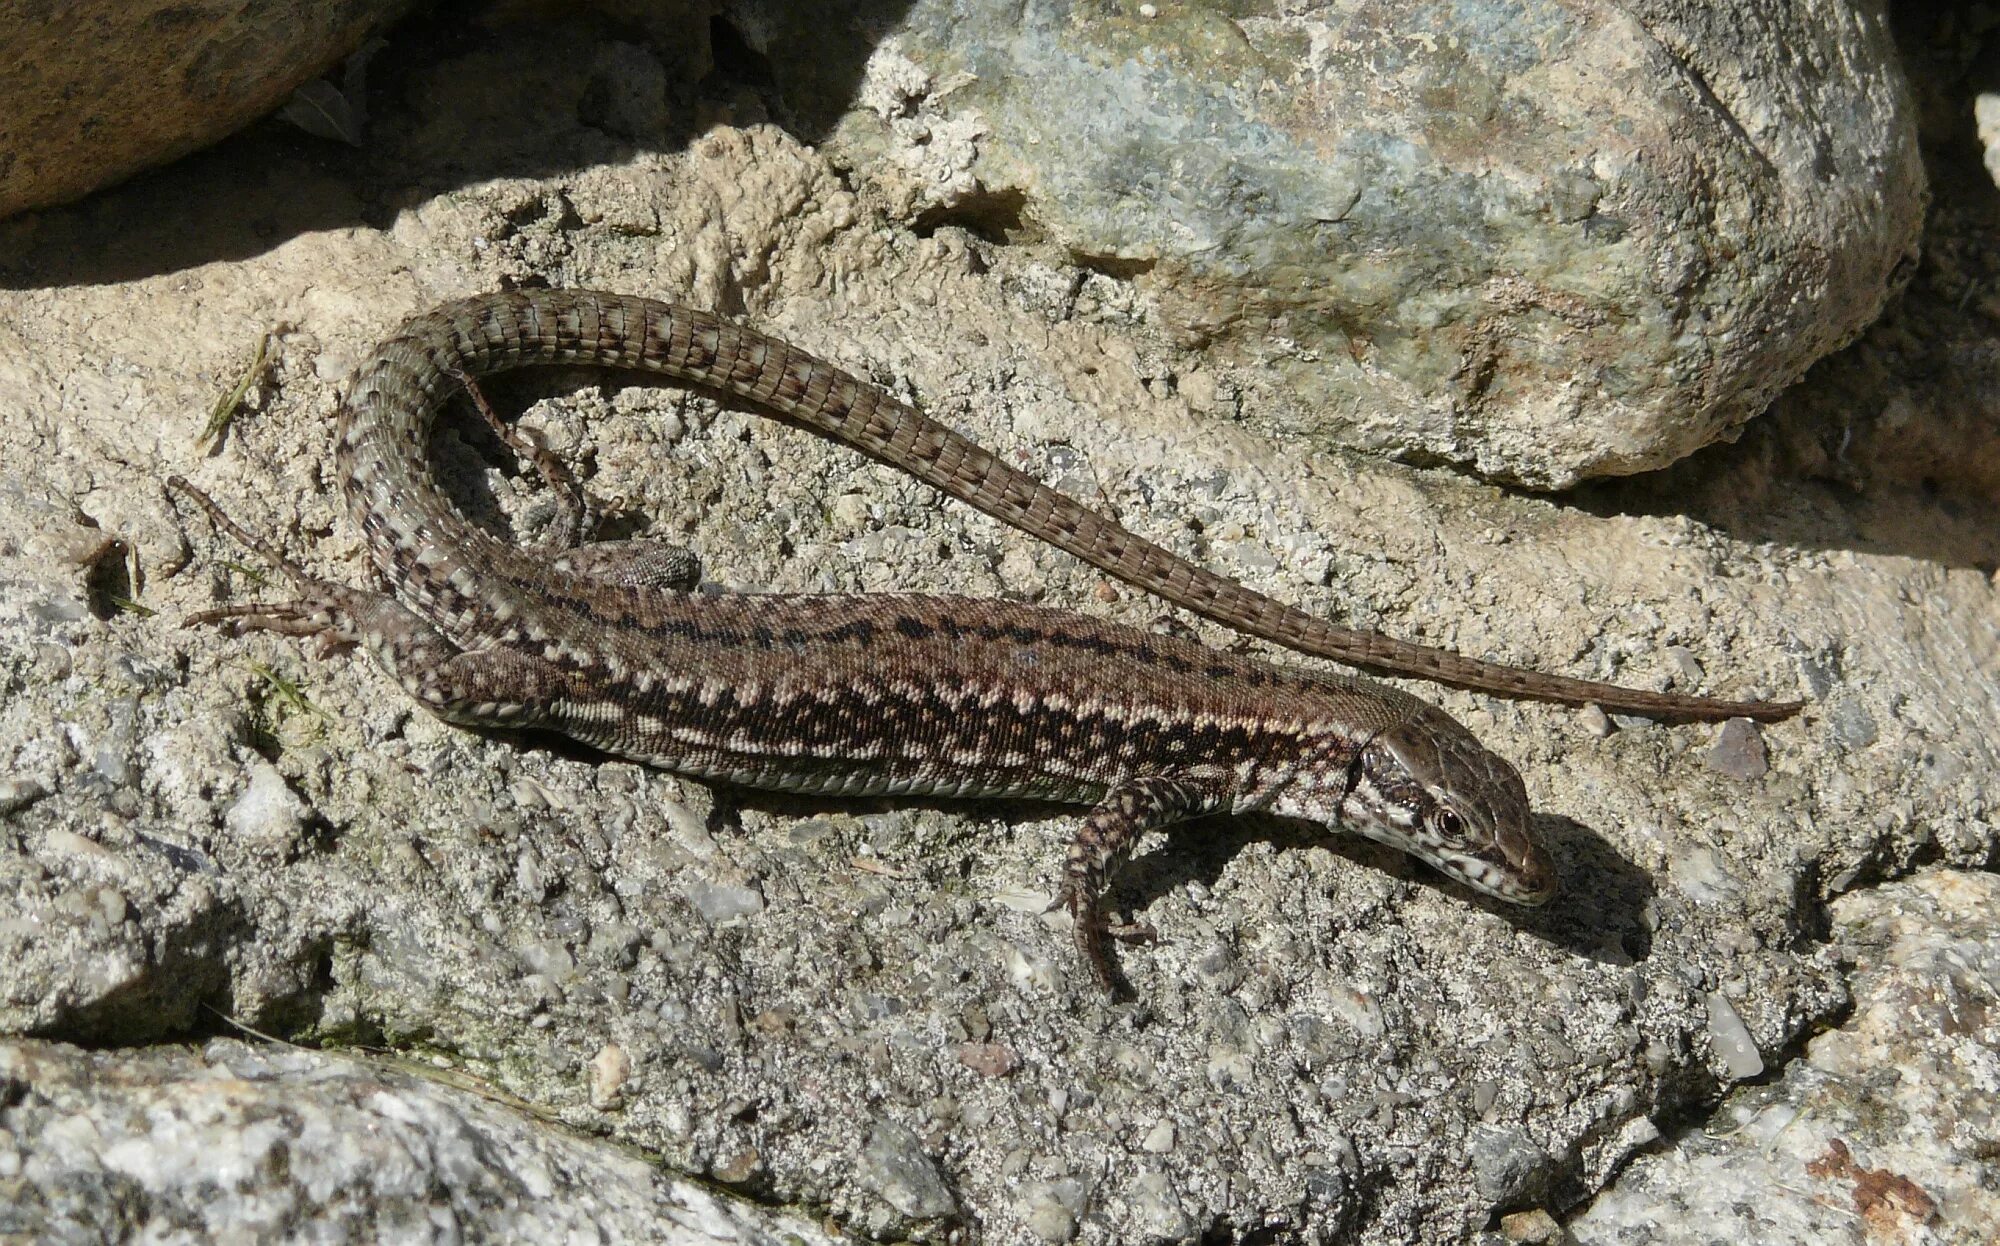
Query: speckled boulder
column 1544, row 240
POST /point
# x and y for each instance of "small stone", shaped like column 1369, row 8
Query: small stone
column 1731, row 1039
column 1595, row 721
column 721, row 903
column 1484, row 1093
column 1023, row 900
column 988, row 1059
column 269, row 817
column 1738, row 751
column 1159, row 1139
column 110, row 904
column 1506, row 1164
column 550, row 958
column 1685, row 664
column 773, row 1020
column 738, row 1166
column 63, row 840
column 1047, row 1217
column 894, row 1165
column 1532, row 1228
column 1853, row 726
column 609, row 1070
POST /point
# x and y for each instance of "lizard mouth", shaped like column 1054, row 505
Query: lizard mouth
column 1527, row 878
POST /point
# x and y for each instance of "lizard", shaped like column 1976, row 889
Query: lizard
column 611, row 644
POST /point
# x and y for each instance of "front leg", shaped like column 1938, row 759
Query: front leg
column 476, row 688
column 1105, row 842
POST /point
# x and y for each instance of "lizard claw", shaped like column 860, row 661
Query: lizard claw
column 1088, row 930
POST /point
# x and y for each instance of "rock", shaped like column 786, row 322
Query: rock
column 609, row 1070
column 1731, row 1040
column 1888, row 1126
column 1738, row 752
column 1046, row 1215
column 894, row 1165
column 269, row 817
column 237, row 1142
column 110, row 87
column 1547, row 241
column 1507, row 1165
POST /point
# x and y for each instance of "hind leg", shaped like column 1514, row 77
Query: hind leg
column 494, row 687
column 638, row 564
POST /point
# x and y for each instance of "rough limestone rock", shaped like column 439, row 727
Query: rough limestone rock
column 1885, row 1130
column 1544, row 239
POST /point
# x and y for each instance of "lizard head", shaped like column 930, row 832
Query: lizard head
column 1428, row 787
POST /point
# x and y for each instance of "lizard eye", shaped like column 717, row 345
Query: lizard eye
column 1450, row 825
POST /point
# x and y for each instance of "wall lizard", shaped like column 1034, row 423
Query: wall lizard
column 861, row 694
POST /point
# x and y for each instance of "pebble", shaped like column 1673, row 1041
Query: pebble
column 723, row 902
column 737, row 1167
column 894, row 1165
column 1738, row 752
column 269, row 816
column 988, row 1059
column 1731, row 1039
column 1506, row 1164
column 609, row 1070
column 1047, row 1212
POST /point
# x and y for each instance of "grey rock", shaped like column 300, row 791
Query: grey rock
column 1731, row 1039
column 1886, row 1128
column 721, row 902
column 269, row 816
column 1548, row 241
column 1047, row 1213
column 1738, row 752
column 1507, row 1165
column 1854, row 727
column 239, row 1143
column 895, row 1166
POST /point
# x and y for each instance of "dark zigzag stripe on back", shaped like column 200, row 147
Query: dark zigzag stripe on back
column 933, row 726
column 1105, row 643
